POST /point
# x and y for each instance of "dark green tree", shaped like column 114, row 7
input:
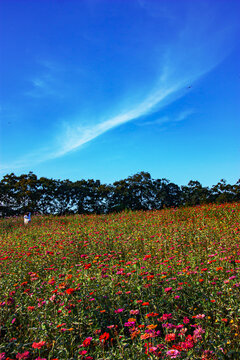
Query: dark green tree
column 195, row 194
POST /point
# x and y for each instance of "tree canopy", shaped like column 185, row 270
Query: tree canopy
column 27, row 192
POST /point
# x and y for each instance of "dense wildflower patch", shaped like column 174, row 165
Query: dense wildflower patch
column 134, row 285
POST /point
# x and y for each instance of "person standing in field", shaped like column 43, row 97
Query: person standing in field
column 27, row 218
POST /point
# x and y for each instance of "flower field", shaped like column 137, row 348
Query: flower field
column 133, row 285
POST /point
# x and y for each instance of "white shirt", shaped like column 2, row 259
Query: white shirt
column 26, row 219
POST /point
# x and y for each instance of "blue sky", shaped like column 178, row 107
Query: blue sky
column 103, row 89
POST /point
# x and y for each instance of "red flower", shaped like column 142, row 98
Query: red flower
column 70, row 291
column 170, row 337
column 38, row 345
column 87, row 266
column 87, row 342
column 104, row 337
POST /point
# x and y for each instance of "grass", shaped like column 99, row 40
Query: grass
column 134, row 285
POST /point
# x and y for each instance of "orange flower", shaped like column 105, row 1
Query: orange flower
column 145, row 336
column 151, row 327
column 62, row 285
column 60, row 325
column 134, row 334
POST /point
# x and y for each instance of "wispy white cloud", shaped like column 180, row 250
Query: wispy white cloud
column 167, row 118
column 74, row 137
column 183, row 115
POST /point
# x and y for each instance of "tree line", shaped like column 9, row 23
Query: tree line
column 27, row 192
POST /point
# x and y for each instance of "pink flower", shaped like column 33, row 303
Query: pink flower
column 134, row 312
column 166, row 317
column 129, row 323
column 119, row 310
column 52, row 298
column 152, row 349
column 197, row 334
column 173, row 353
column 2, row 356
column 188, row 344
column 24, row 355
column 82, row 352
column 111, row 326
column 168, row 289
column 200, row 316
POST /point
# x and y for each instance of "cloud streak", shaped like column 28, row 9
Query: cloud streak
column 168, row 119
column 76, row 137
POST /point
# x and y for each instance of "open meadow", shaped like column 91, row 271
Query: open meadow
column 132, row 285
